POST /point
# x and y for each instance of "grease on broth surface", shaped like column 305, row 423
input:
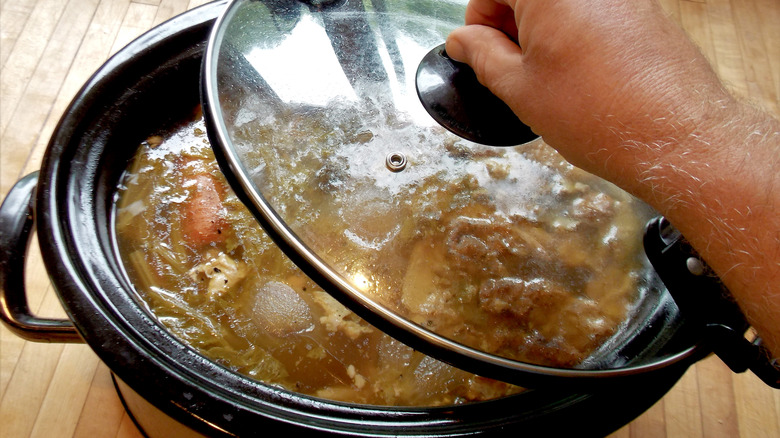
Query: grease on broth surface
column 548, row 288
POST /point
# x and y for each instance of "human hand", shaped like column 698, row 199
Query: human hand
column 608, row 83
column 620, row 91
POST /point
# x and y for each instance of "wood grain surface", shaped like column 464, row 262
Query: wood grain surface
column 50, row 47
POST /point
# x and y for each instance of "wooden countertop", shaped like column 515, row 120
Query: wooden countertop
column 50, row 47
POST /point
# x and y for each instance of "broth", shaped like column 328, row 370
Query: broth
column 549, row 291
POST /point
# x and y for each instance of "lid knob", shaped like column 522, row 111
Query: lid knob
column 452, row 95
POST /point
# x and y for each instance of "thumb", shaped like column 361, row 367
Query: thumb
column 495, row 58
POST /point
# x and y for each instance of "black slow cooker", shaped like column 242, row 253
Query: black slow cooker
column 170, row 388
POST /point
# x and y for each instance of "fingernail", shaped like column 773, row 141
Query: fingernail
column 454, row 48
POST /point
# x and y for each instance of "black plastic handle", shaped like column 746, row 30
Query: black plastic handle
column 705, row 302
column 452, row 95
column 16, row 228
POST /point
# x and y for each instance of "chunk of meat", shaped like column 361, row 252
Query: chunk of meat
column 518, row 297
column 339, row 318
column 221, row 274
column 593, row 206
column 484, row 245
column 561, row 327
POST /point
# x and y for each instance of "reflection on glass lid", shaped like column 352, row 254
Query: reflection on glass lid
column 510, row 251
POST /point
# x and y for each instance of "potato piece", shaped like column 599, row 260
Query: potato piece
column 280, row 311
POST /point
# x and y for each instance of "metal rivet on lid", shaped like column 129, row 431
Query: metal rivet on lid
column 395, row 161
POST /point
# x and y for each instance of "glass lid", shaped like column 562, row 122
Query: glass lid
column 507, row 262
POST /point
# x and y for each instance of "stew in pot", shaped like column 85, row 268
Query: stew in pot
column 550, row 288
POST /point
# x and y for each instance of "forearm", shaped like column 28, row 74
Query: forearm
column 720, row 187
column 620, row 91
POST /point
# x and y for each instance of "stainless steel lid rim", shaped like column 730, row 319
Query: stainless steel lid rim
column 326, row 276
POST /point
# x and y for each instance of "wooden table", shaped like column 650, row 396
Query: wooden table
column 50, row 47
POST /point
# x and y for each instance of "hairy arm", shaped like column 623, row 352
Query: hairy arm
column 620, row 91
column 720, row 188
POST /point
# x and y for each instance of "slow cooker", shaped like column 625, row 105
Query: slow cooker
column 168, row 386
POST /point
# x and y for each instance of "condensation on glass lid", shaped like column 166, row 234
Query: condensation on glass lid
column 320, row 58
column 313, row 76
column 465, row 237
column 352, row 155
column 508, row 250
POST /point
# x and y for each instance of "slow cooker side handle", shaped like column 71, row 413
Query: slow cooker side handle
column 16, row 227
column 706, row 303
